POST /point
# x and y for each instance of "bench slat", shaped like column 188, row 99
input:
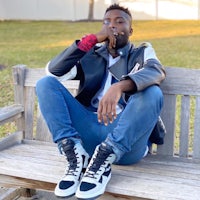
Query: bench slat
column 181, row 81
column 11, row 193
column 196, row 141
column 29, row 114
column 9, row 113
column 43, row 133
column 148, row 187
column 33, row 75
column 184, row 129
column 10, row 140
column 168, row 147
column 187, row 82
column 12, row 181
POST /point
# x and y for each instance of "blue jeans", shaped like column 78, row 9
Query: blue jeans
column 128, row 134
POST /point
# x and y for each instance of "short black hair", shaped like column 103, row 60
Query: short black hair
column 118, row 7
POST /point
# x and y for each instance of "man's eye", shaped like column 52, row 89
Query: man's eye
column 119, row 22
column 106, row 22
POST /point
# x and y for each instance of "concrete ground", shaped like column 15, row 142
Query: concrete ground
column 17, row 194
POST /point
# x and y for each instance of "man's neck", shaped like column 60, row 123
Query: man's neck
column 113, row 52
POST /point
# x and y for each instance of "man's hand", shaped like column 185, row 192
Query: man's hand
column 108, row 34
column 107, row 106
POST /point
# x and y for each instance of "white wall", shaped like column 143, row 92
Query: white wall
column 44, row 9
column 78, row 9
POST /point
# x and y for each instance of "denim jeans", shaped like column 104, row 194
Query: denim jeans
column 128, row 134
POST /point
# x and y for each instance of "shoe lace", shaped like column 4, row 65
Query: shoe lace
column 98, row 161
column 72, row 166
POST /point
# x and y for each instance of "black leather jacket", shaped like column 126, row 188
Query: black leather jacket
column 139, row 64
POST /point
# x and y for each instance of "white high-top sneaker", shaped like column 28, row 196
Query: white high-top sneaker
column 98, row 173
column 77, row 161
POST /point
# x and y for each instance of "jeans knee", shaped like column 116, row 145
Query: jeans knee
column 155, row 98
column 44, row 83
column 156, row 94
column 153, row 94
column 151, row 97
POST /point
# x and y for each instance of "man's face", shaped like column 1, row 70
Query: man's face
column 119, row 23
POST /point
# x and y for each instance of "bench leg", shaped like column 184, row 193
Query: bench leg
column 25, row 192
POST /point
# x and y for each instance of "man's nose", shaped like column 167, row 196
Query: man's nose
column 112, row 25
column 113, row 28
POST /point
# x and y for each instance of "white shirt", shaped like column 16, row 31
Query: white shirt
column 108, row 82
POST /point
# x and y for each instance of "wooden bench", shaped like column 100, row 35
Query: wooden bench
column 29, row 159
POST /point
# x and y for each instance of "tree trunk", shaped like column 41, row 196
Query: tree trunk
column 91, row 10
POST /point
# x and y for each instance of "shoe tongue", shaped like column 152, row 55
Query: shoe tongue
column 68, row 145
column 106, row 147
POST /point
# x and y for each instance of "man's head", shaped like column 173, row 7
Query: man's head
column 119, row 19
column 118, row 7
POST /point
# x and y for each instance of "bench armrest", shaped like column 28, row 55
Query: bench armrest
column 10, row 113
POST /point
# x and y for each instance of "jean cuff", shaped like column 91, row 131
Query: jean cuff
column 63, row 141
column 117, row 151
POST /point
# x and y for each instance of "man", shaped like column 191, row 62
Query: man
column 117, row 106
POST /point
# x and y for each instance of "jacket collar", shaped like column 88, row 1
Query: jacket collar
column 102, row 51
column 125, row 50
column 118, row 69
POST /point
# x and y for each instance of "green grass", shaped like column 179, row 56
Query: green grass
column 35, row 43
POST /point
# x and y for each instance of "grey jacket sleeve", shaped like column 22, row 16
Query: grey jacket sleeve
column 151, row 73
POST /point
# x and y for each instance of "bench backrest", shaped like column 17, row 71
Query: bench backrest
column 181, row 111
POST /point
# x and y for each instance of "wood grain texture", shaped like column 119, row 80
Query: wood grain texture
column 29, row 159
column 10, row 113
column 38, row 165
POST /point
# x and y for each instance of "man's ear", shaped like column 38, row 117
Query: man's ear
column 131, row 31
